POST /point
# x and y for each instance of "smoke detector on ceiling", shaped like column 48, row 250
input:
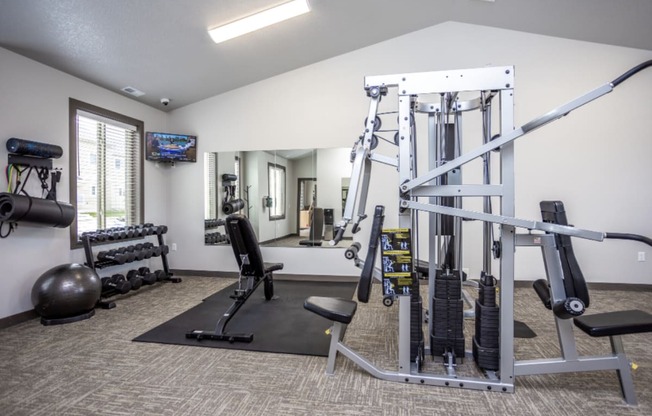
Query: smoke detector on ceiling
column 133, row 91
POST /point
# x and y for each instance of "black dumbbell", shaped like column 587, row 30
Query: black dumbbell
column 98, row 235
column 113, row 255
column 165, row 249
column 148, row 249
column 103, row 254
column 148, row 252
column 148, row 277
column 160, row 275
column 128, row 254
column 101, row 235
column 120, row 281
column 136, row 250
column 135, row 279
column 140, row 254
column 160, row 229
column 148, row 229
column 135, row 247
column 131, row 256
column 114, row 235
column 116, row 283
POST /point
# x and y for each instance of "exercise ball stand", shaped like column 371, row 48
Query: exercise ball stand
column 61, row 321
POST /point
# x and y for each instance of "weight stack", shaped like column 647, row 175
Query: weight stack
column 448, row 316
column 416, row 322
column 486, row 341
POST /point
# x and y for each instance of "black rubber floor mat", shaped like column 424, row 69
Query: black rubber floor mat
column 280, row 325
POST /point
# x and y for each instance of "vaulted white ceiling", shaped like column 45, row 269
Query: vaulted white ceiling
column 162, row 48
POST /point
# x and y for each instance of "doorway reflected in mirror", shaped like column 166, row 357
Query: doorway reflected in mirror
column 291, row 197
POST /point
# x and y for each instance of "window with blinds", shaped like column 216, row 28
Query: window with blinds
column 236, row 169
column 106, row 153
column 210, row 186
column 276, row 181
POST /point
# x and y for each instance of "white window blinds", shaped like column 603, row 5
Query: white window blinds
column 108, row 173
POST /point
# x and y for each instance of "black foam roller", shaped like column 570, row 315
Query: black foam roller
column 20, row 208
column 232, row 207
column 229, row 177
column 30, row 148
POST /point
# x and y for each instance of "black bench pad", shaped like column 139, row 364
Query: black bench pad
column 271, row 267
column 334, row 309
column 615, row 323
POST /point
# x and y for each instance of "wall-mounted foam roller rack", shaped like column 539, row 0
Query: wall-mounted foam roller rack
column 138, row 250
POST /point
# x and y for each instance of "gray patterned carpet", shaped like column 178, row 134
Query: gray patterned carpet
column 93, row 368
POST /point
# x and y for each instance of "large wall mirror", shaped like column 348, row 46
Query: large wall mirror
column 293, row 198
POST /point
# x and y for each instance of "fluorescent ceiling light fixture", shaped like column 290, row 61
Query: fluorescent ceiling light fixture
column 259, row 20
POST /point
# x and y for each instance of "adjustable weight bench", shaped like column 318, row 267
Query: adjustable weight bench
column 253, row 271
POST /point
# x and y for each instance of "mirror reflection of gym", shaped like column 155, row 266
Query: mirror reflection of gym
column 292, row 197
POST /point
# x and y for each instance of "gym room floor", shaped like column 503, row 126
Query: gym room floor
column 93, row 368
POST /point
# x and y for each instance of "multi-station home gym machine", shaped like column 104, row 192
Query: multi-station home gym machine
column 442, row 98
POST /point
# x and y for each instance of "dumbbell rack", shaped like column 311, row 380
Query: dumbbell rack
column 89, row 240
column 212, row 236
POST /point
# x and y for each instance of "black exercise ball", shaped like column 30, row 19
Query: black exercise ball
column 66, row 291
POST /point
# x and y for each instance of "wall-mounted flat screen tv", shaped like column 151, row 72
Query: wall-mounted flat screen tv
column 169, row 147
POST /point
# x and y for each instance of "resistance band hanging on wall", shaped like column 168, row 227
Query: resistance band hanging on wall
column 16, row 205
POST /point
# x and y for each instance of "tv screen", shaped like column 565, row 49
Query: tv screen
column 168, row 147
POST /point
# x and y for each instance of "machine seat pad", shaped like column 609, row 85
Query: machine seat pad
column 615, row 323
column 334, row 309
column 271, row 267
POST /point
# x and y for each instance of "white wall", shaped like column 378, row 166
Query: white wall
column 332, row 166
column 595, row 159
column 34, row 106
